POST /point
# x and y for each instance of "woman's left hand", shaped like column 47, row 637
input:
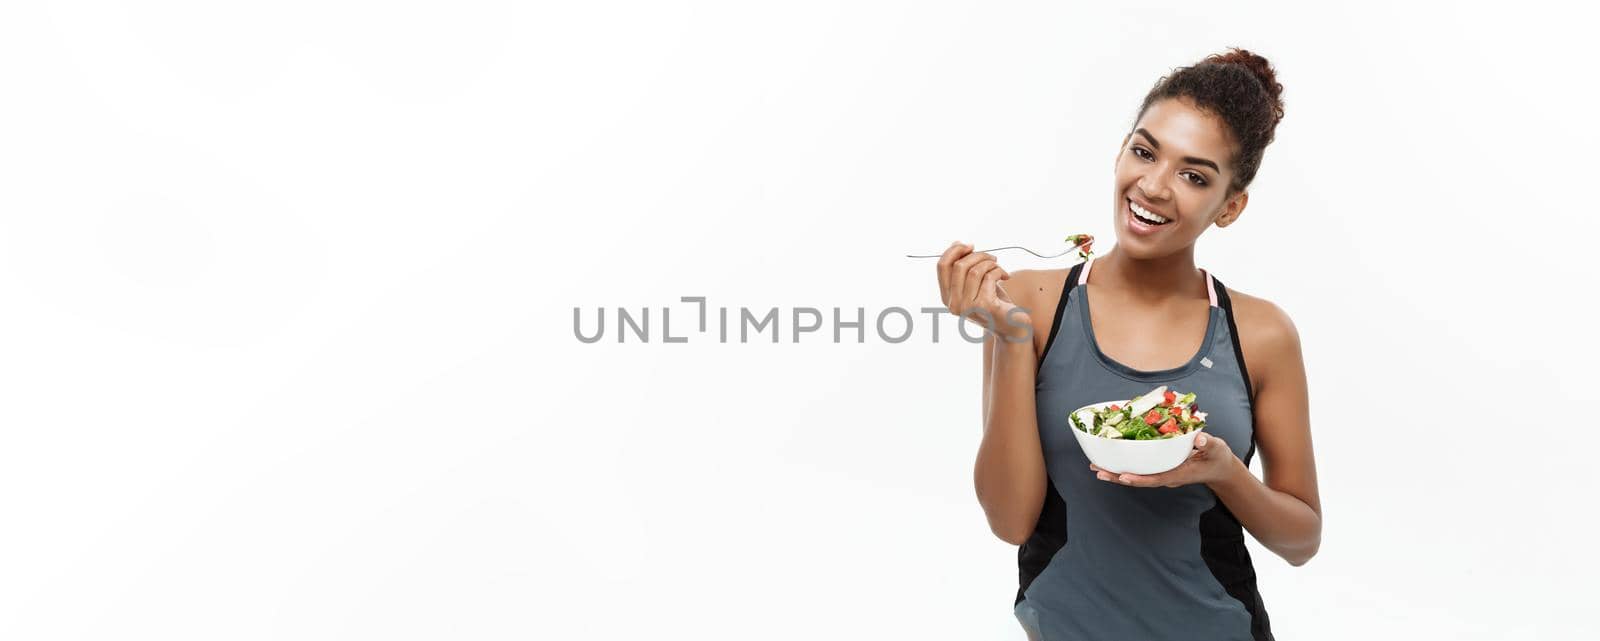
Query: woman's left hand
column 1211, row 460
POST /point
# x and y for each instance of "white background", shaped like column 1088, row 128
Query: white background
column 287, row 345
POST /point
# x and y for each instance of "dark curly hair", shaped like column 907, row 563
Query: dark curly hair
column 1242, row 89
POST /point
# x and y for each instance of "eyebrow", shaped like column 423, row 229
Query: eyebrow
column 1188, row 159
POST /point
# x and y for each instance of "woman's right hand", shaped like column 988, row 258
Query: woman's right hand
column 969, row 285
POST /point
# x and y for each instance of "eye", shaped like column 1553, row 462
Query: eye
column 1196, row 179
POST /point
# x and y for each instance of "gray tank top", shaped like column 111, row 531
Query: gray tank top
column 1108, row 561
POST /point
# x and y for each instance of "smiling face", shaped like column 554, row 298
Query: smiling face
column 1175, row 164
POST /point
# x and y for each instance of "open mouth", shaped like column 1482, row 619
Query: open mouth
column 1144, row 217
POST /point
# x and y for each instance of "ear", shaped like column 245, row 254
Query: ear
column 1233, row 209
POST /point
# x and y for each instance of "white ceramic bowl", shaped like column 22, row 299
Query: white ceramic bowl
column 1120, row 456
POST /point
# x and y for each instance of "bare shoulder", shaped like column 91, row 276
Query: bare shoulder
column 1261, row 318
column 1267, row 335
column 1039, row 292
column 1034, row 289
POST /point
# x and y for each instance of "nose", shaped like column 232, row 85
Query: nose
column 1152, row 189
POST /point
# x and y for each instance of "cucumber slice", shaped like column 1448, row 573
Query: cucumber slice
column 1141, row 405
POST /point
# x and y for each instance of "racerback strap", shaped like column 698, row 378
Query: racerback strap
column 1074, row 276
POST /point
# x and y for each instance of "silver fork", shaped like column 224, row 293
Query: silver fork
column 1068, row 251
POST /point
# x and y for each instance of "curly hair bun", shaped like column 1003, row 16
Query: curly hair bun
column 1260, row 68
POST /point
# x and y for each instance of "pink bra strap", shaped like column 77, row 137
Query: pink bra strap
column 1083, row 276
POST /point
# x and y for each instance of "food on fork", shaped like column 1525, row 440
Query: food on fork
column 1082, row 242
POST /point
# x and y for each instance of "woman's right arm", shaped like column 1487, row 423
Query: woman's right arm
column 1010, row 473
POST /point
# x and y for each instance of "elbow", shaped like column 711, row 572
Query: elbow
column 1001, row 502
column 1307, row 546
column 1015, row 534
column 1301, row 557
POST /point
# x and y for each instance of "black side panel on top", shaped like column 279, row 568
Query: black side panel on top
column 1048, row 537
column 1050, row 533
column 1221, row 535
column 1222, row 547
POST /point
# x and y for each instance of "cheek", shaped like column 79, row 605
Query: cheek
column 1198, row 207
column 1197, row 198
column 1125, row 171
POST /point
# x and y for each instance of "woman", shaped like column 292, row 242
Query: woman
column 1158, row 557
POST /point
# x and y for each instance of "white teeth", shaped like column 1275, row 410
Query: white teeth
column 1145, row 214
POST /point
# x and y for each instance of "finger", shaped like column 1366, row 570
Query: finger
column 955, row 278
column 962, row 287
column 972, row 287
column 947, row 261
column 947, row 267
column 976, row 278
column 957, row 275
column 975, row 272
column 988, row 290
column 1131, row 480
column 1106, row 475
column 1170, row 478
column 964, row 264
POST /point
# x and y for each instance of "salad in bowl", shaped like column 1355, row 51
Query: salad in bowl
column 1149, row 434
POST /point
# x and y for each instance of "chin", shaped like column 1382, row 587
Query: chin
column 1144, row 249
column 1137, row 250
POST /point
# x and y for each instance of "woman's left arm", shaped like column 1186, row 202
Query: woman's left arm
column 1284, row 513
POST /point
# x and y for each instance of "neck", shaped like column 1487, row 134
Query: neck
column 1167, row 277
